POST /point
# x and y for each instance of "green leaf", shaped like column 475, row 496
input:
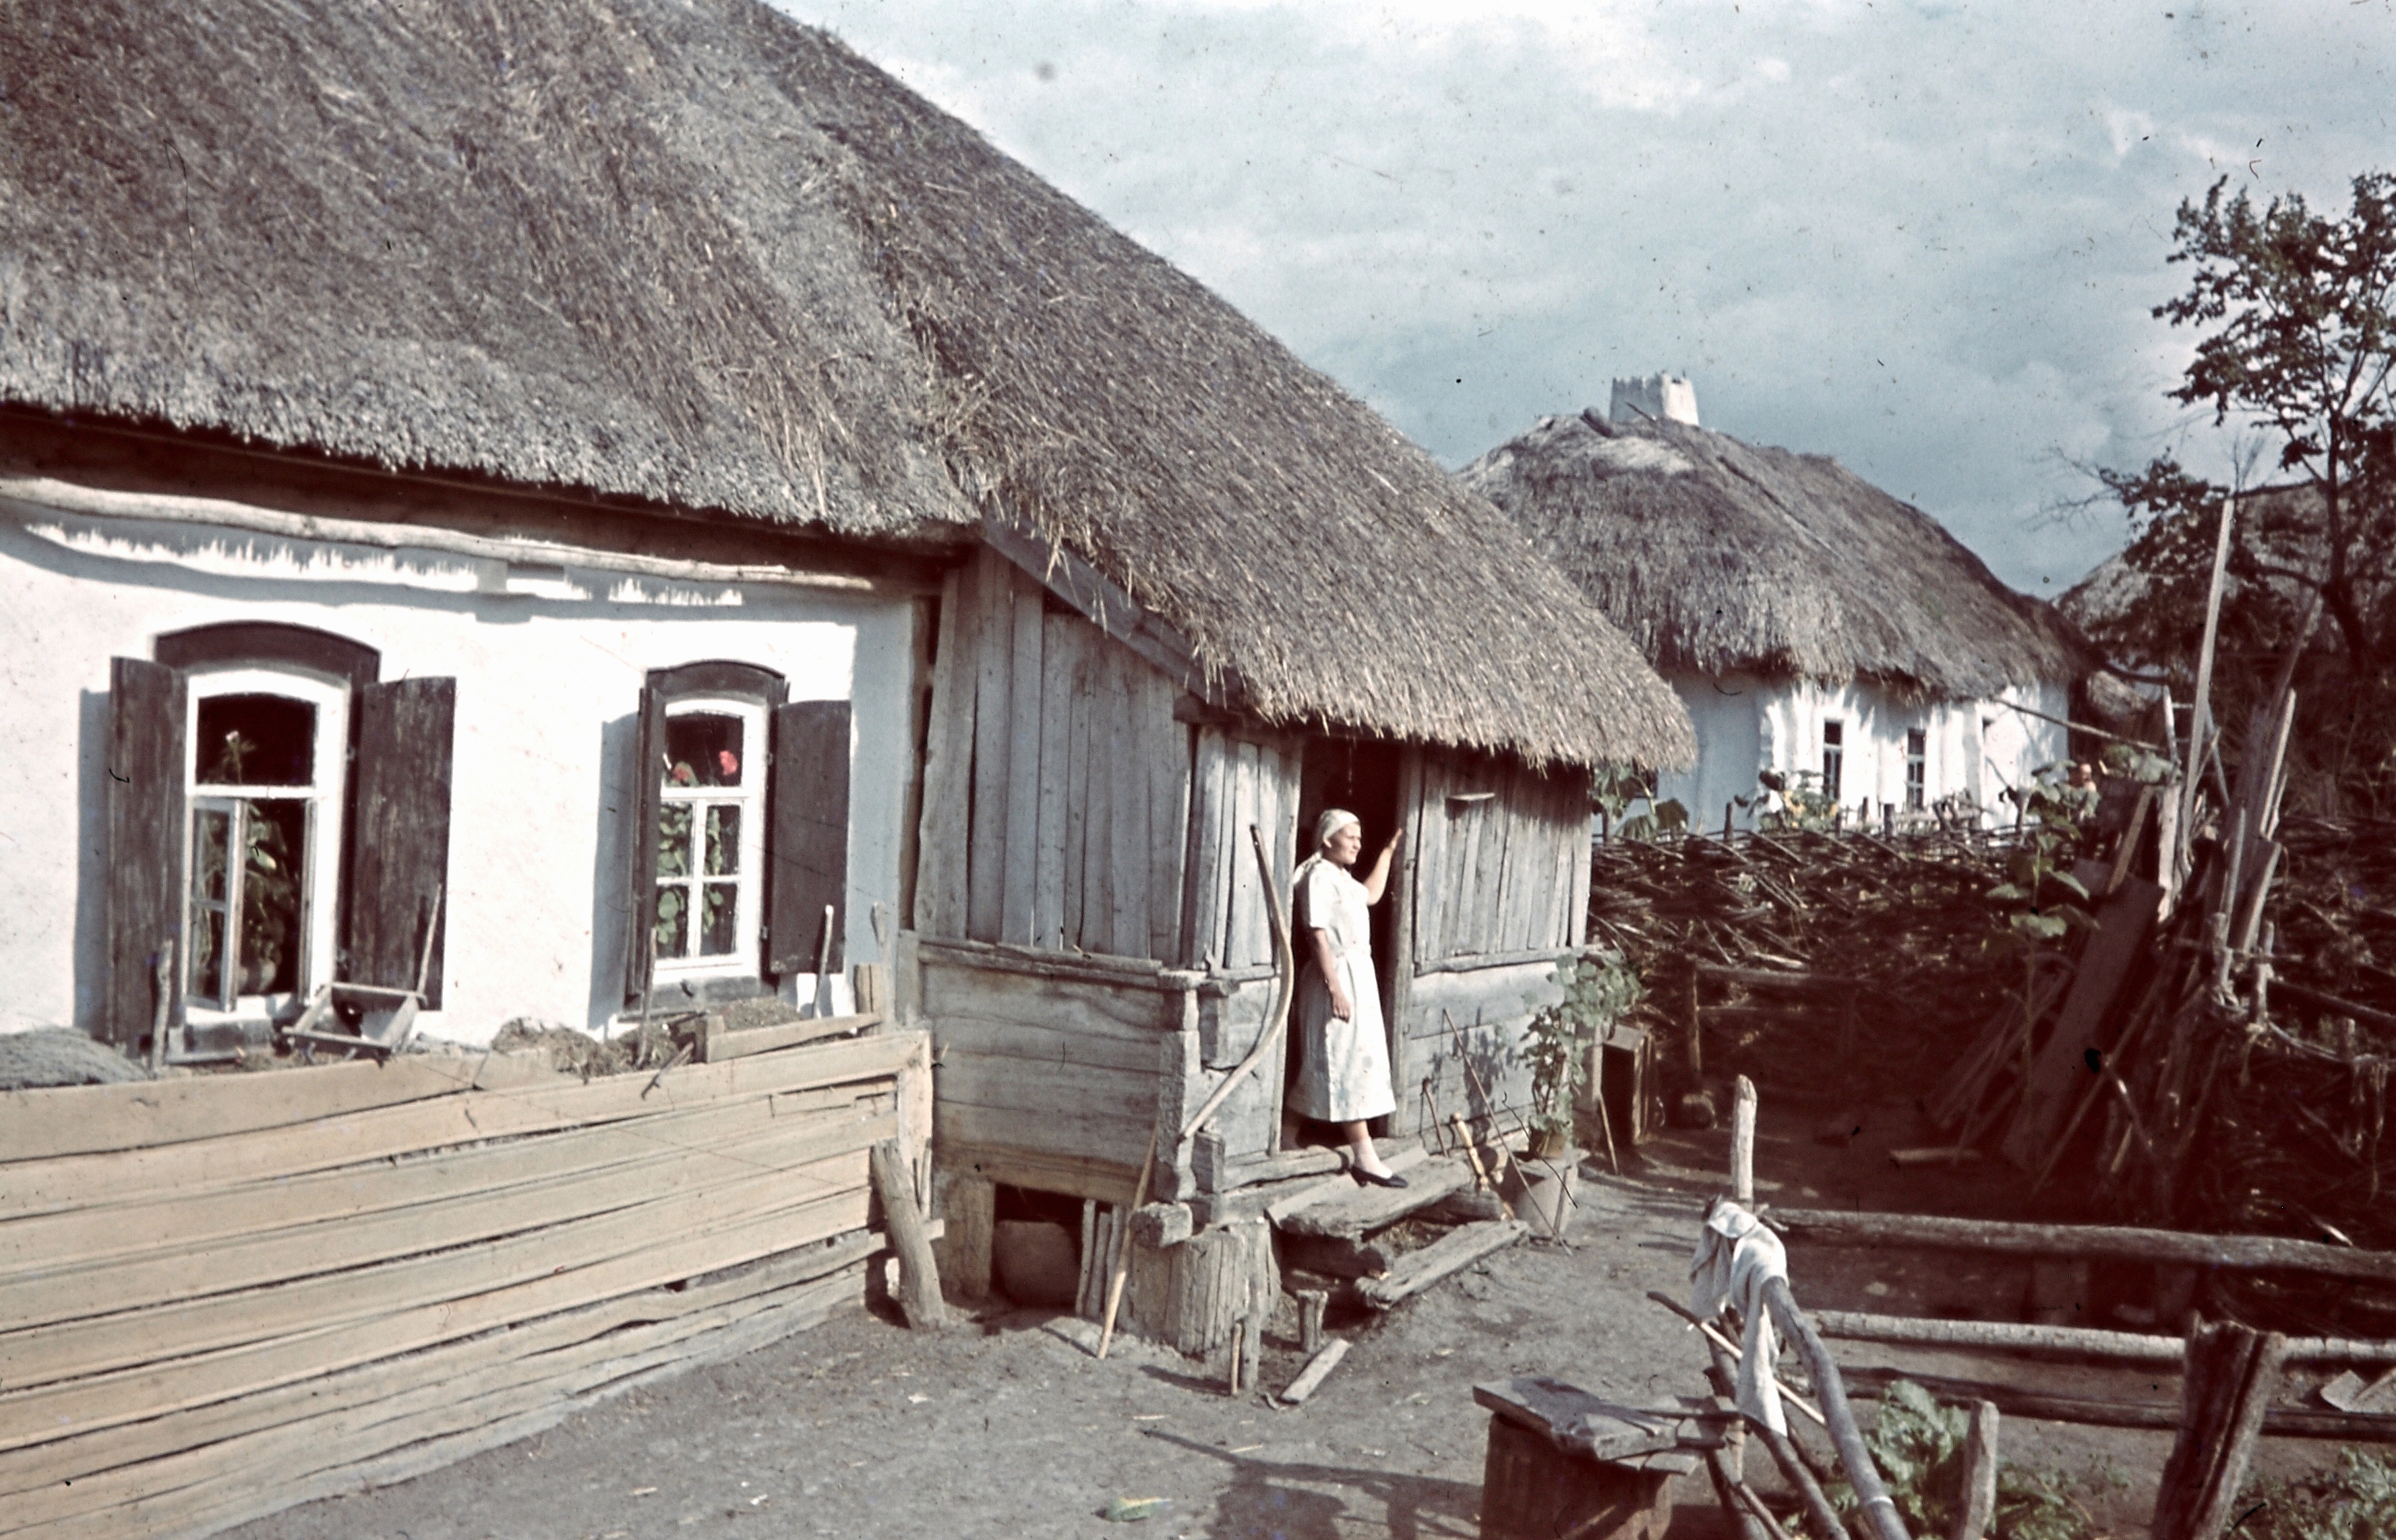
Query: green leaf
column 2068, row 882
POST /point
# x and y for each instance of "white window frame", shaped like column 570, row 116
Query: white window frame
column 1835, row 785
column 1917, row 769
column 325, row 799
column 749, row 907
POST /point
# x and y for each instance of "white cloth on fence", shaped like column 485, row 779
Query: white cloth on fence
column 1736, row 1256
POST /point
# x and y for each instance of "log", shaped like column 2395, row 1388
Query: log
column 2013, row 1336
column 1831, row 1227
column 1727, row 1487
column 1318, row 1369
column 1979, row 1484
column 919, row 1278
column 2279, row 1422
column 1874, row 1508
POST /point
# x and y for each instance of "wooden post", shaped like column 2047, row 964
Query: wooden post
column 1876, row 1511
column 2232, row 1372
column 1237, row 1357
column 1742, row 1143
column 1697, row 1037
column 1317, row 1370
column 919, row 1279
column 1310, row 1319
column 164, row 973
column 1980, row 1488
column 2200, row 710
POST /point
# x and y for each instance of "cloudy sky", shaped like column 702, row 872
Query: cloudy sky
column 1923, row 238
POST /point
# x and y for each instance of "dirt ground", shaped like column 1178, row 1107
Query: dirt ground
column 1011, row 1428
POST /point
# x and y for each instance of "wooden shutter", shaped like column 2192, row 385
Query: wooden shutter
column 399, row 835
column 145, row 843
column 641, row 841
column 806, row 857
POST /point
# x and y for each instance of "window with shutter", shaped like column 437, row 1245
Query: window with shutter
column 245, row 842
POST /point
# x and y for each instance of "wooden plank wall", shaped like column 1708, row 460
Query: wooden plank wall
column 1503, row 856
column 1046, row 1081
column 1239, row 782
column 1473, row 1017
column 218, row 1309
column 1057, row 790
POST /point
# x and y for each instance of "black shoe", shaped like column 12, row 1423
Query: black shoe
column 1365, row 1178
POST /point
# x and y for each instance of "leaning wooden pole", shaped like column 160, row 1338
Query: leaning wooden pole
column 1284, row 982
column 919, row 1278
column 1874, row 1506
column 2200, row 710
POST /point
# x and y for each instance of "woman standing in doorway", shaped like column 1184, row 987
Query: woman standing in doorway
column 1344, row 1074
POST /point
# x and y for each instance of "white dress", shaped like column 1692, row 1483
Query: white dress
column 1344, row 1069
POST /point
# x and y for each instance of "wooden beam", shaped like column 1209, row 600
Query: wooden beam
column 2249, row 1253
column 1106, row 606
column 919, row 1275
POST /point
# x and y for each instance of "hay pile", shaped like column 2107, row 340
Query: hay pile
column 61, row 1056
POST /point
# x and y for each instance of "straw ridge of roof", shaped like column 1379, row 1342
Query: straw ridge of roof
column 702, row 256
column 1716, row 555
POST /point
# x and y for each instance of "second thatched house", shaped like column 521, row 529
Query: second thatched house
column 1817, row 629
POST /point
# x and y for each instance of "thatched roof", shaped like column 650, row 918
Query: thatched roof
column 1716, row 555
column 700, row 256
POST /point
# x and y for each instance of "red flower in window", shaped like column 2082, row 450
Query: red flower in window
column 729, row 763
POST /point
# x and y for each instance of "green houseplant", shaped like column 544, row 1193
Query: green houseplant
column 1600, row 988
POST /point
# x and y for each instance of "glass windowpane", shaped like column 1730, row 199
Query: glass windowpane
column 208, row 956
column 723, row 840
column 275, row 840
column 210, row 830
column 674, row 825
column 720, row 920
column 705, row 749
column 672, row 931
column 255, row 740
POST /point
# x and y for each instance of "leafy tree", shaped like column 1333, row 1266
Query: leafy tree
column 2298, row 315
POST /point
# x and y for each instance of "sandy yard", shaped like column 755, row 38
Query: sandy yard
column 1010, row 1428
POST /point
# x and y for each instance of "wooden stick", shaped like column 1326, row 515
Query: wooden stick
column 1727, row 1486
column 1979, row 1486
column 1123, row 1263
column 1317, row 1370
column 919, row 1275
column 1239, row 1356
column 1742, row 1143
column 1829, row 1227
column 2200, row 707
column 1714, row 1337
column 1755, row 1505
column 1284, row 982
column 164, row 974
column 1874, row 1505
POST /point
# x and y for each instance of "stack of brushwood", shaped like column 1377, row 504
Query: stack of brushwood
column 2212, row 1055
column 1822, row 964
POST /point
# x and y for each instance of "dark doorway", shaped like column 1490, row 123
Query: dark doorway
column 1360, row 776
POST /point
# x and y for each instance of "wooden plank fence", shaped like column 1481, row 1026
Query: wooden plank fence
column 232, row 1293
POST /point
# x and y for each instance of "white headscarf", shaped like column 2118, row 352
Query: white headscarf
column 1334, row 820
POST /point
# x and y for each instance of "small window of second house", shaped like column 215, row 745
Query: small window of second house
column 265, row 783
column 1917, row 770
column 1835, row 756
column 711, row 838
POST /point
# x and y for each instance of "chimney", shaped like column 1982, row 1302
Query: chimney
column 1654, row 397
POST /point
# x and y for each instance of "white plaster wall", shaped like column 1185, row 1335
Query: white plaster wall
column 1744, row 724
column 548, row 686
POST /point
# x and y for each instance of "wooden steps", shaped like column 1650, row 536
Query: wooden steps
column 1349, row 1212
column 1451, row 1254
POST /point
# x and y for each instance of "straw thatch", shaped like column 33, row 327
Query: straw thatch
column 1716, row 556
column 702, row 257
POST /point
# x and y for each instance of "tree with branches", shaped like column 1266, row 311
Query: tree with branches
column 2296, row 312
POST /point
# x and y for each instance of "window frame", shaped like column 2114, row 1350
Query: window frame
column 747, row 958
column 1917, row 769
column 326, row 797
column 1834, row 758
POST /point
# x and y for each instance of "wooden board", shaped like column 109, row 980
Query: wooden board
column 993, row 650
column 62, row 1241
column 941, row 852
column 24, row 1472
column 1065, row 1004
column 521, row 1105
column 1431, row 853
column 1129, row 857
column 72, row 1119
column 1026, row 675
column 1164, row 748
column 1120, row 1143
column 1076, row 1090
column 2124, row 923
column 814, row 1164
column 1206, row 894
column 702, row 1242
column 1245, row 919
column 1444, row 1257
column 1060, row 651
